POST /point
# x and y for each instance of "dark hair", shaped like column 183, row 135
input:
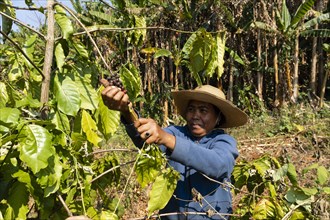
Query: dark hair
column 222, row 116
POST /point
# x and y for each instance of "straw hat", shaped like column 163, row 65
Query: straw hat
column 206, row 93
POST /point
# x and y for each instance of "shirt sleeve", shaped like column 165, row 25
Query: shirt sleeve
column 132, row 133
column 217, row 160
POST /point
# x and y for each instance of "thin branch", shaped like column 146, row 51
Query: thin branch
column 64, row 205
column 88, row 33
column 183, row 214
column 93, row 29
column 23, row 8
column 22, row 52
column 111, row 169
column 23, row 24
column 111, row 150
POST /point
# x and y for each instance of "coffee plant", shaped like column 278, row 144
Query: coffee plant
column 47, row 166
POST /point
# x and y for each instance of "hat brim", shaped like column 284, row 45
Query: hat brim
column 233, row 115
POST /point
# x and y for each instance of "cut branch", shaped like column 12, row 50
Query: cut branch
column 48, row 56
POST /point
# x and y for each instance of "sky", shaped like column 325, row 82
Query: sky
column 33, row 18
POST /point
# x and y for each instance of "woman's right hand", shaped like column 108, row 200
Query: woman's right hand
column 114, row 98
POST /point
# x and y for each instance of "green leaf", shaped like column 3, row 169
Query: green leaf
column 89, row 127
column 7, row 23
column 322, row 33
column 285, row 16
column 4, row 97
column 264, row 209
column 240, row 174
column 220, row 42
column 59, row 56
column 8, row 118
column 67, row 95
column 296, row 196
column 88, row 96
column 81, row 49
column 50, row 178
column 28, row 101
column 148, row 165
column 108, row 215
column 235, row 56
column 262, row 165
column 28, row 48
column 35, row 146
column 322, row 175
column 309, row 191
column 162, row 53
column 61, row 122
column 131, row 79
column 109, row 120
column 162, row 190
column 292, row 174
column 326, row 190
column 318, row 20
column 18, row 200
column 64, row 22
column 301, row 12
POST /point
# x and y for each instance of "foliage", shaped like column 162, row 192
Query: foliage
column 47, row 160
column 273, row 189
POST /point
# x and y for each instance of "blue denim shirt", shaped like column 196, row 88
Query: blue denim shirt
column 213, row 156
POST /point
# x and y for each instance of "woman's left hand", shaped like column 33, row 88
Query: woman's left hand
column 151, row 132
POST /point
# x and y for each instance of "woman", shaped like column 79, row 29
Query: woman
column 200, row 151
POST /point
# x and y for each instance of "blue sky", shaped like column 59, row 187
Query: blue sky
column 33, row 18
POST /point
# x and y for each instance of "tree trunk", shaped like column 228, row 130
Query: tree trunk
column 260, row 74
column 275, row 63
column 231, row 81
column 295, row 70
column 313, row 65
column 49, row 52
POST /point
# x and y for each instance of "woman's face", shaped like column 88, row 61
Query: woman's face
column 201, row 117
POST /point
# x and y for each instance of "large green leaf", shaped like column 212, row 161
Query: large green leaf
column 109, row 120
column 324, row 33
column 162, row 190
column 81, row 49
column 68, row 96
column 7, row 23
column 64, row 22
column 285, row 16
column 8, row 118
column 322, row 175
column 220, row 45
column 301, row 12
column 264, row 209
column 61, row 122
column 89, row 127
column 88, row 96
column 59, row 55
column 292, row 174
column 29, row 49
column 318, row 20
column 50, row 178
column 35, row 146
column 4, row 97
column 262, row 165
column 162, row 53
column 18, row 201
column 130, row 76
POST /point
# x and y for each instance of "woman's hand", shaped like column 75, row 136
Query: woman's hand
column 114, row 98
column 151, row 132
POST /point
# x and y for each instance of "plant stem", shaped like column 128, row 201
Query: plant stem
column 109, row 170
